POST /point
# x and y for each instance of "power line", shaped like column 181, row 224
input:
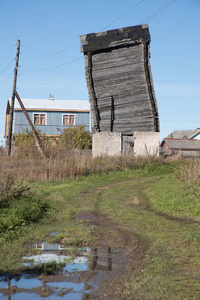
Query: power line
column 132, row 8
column 176, row 51
column 7, row 54
column 62, row 51
column 157, row 12
column 161, row 9
column 66, row 63
column 57, row 66
column 152, row 15
column 180, row 20
column 6, row 79
column 6, row 67
column 56, row 53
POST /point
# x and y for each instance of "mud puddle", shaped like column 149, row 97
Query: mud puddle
column 79, row 278
column 31, row 284
column 95, row 272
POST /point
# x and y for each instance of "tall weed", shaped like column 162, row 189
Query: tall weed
column 189, row 171
column 63, row 164
column 10, row 188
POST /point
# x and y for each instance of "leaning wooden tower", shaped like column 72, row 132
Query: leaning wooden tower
column 119, row 81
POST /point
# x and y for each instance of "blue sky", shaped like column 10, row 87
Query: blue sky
column 51, row 62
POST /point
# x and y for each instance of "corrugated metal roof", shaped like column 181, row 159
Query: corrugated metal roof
column 182, row 144
column 183, row 134
column 54, row 105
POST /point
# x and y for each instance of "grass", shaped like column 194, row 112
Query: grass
column 49, row 268
column 179, row 199
column 151, row 200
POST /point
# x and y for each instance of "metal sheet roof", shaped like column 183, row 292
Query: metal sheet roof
column 182, row 144
column 54, row 105
column 181, row 134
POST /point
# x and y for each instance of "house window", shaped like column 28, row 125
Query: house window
column 39, row 119
column 68, row 120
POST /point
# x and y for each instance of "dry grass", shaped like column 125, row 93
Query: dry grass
column 62, row 164
column 190, row 171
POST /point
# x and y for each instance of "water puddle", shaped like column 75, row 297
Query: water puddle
column 20, row 282
column 71, row 281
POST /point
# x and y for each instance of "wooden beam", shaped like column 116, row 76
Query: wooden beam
column 91, row 86
column 38, row 141
column 112, row 114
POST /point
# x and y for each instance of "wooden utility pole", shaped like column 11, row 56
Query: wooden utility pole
column 13, row 101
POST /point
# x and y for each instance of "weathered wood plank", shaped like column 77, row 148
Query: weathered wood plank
column 121, row 71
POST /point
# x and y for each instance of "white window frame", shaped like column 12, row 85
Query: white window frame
column 69, row 119
column 36, row 113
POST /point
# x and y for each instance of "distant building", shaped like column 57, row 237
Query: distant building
column 49, row 116
column 183, row 147
column 185, row 134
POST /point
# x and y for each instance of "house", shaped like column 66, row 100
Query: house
column 50, row 116
column 184, row 147
column 185, row 134
column 121, row 91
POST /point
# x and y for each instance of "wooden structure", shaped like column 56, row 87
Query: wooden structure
column 119, row 81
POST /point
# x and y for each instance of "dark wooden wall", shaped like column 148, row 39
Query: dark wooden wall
column 120, row 86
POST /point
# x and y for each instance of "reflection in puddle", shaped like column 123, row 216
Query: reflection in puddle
column 20, row 282
column 50, row 253
column 78, row 264
column 49, row 247
column 22, row 296
column 99, row 261
column 66, row 287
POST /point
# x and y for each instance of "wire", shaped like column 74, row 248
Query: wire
column 180, row 20
column 7, row 54
column 6, row 80
column 62, row 51
column 132, row 8
column 161, row 9
column 56, row 53
column 123, row 15
column 69, row 62
column 175, row 51
column 157, row 12
column 6, row 67
column 172, row 81
column 57, row 66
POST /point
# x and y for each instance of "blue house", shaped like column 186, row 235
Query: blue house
column 50, row 116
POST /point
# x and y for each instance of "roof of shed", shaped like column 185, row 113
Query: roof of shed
column 115, row 38
column 182, row 143
column 182, row 134
column 53, row 105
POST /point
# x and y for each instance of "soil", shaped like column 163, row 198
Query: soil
column 118, row 256
column 125, row 251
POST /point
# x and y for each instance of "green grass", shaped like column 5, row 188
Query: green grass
column 174, row 197
column 150, row 203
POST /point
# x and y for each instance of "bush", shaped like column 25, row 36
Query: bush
column 11, row 189
column 25, row 211
column 76, row 138
column 18, row 207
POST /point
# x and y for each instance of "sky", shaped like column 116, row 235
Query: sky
column 51, row 62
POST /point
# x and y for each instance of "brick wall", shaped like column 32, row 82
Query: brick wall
column 110, row 143
column 146, row 143
column 106, row 143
